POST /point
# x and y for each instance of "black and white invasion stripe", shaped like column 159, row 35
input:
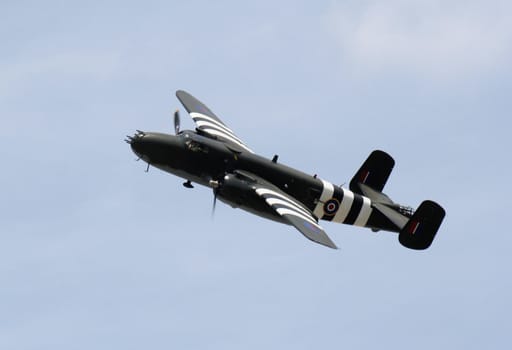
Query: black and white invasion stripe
column 342, row 205
column 215, row 128
column 327, row 192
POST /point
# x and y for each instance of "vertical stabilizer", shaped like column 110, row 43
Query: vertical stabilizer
column 420, row 230
column 374, row 172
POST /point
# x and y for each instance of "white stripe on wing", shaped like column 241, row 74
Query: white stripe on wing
column 205, row 123
column 197, row 116
column 266, row 191
column 274, row 201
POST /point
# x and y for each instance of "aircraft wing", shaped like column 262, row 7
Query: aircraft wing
column 209, row 124
column 290, row 209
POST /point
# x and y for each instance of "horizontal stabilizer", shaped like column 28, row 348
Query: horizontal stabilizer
column 394, row 216
column 374, row 172
column 420, row 230
column 375, row 196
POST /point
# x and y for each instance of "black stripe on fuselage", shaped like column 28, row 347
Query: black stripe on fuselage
column 338, row 195
column 354, row 210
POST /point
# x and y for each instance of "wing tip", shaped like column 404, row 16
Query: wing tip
column 330, row 244
column 180, row 93
column 322, row 239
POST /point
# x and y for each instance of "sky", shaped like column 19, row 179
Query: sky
column 96, row 253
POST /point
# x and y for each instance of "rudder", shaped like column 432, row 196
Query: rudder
column 374, row 172
column 420, row 230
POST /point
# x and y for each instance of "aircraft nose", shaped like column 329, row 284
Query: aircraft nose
column 136, row 142
column 155, row 148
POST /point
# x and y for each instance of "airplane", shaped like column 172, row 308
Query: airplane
column 213, row 156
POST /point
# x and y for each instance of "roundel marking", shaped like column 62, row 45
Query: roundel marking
column 331, row 206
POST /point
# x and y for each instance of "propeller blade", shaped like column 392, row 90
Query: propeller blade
column 214, row 202
column 215, row 185
column 177, row 122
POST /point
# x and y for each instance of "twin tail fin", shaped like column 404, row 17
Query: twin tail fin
column 417, row 229
column 421, row 229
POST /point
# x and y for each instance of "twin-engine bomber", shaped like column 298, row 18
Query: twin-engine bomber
column 215, row 157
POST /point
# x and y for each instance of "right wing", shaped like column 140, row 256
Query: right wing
column 296, row 215
column 290, row 209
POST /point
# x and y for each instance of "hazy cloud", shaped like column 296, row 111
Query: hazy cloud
column 27, row 70
column 445, row 40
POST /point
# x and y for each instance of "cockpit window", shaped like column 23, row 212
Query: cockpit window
column 196, row 146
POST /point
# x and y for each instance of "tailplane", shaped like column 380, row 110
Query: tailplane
column 417, row 229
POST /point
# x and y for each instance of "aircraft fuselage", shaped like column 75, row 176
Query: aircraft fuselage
column 215, row 157
column 208, row 162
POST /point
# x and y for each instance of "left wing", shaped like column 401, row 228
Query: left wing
column 291, row 210
column 208, row 123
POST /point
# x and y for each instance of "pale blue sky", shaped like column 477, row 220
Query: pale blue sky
column 97, row 254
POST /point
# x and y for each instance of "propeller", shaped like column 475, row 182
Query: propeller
column 215, row 191
column 177, row 122
column 215, row 186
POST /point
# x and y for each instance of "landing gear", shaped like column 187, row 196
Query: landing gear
column 188, row 184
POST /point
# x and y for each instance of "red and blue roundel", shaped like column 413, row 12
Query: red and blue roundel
column 331, row 206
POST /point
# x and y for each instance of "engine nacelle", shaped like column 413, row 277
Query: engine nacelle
column 236, row 190
column 239, row 191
